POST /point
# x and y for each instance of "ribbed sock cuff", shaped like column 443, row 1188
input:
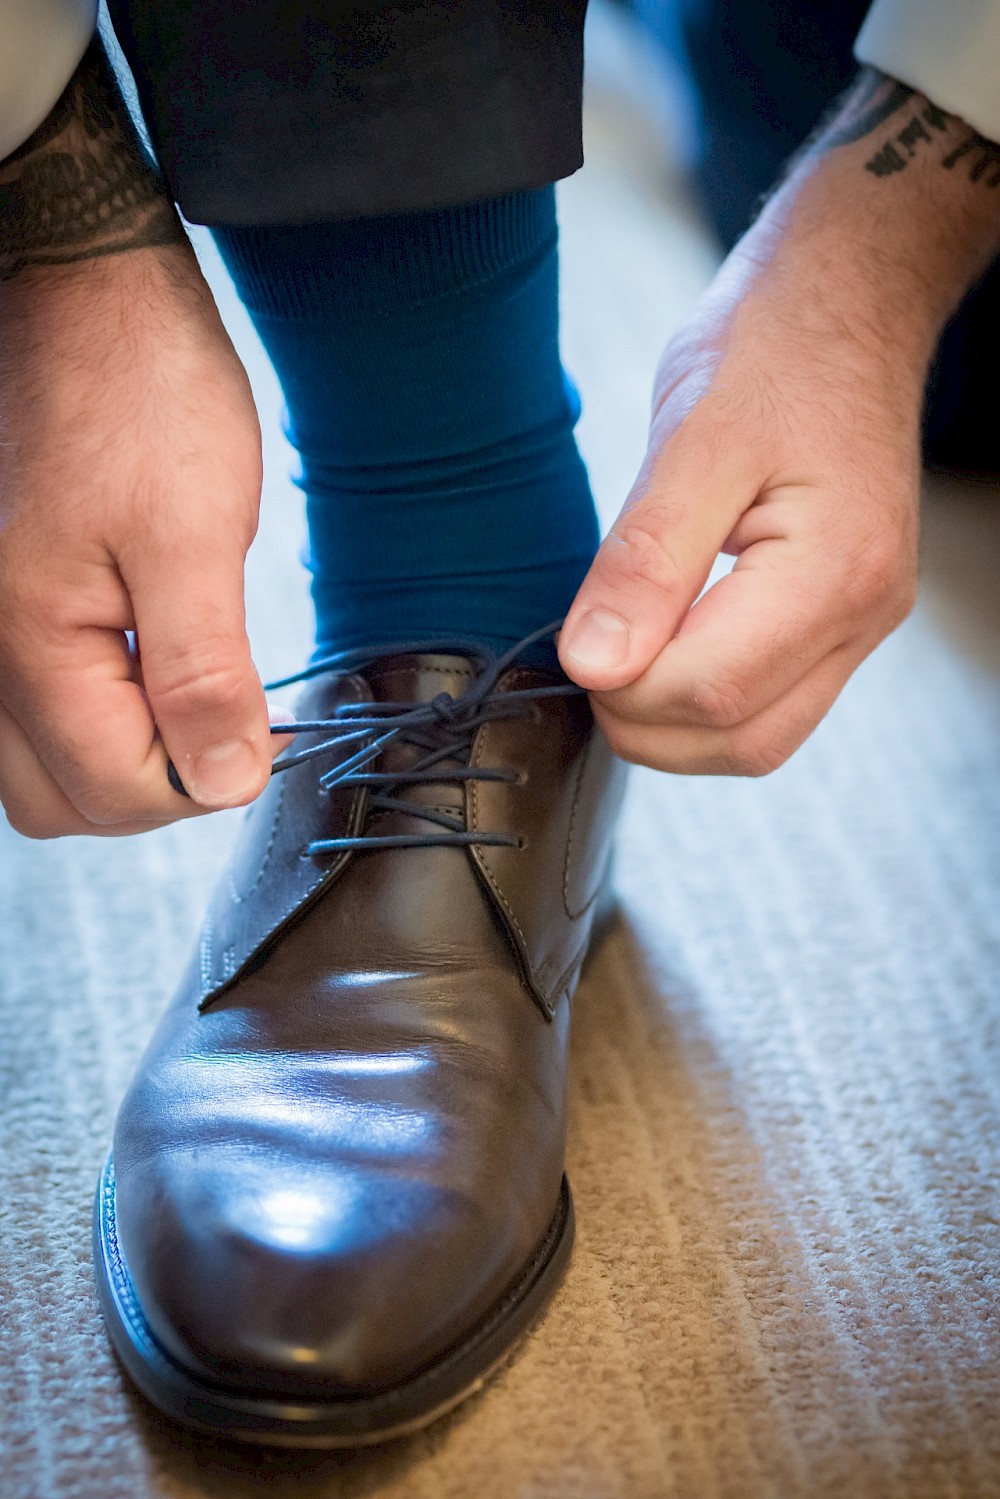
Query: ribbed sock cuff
column 346, row 266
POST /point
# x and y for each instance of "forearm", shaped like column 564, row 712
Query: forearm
column 82, row 186
column 890, row 214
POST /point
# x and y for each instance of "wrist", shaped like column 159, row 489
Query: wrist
column 83, row 186
column 58, row 306
column 888, row 212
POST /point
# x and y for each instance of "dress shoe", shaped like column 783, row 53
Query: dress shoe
column 336, row 1194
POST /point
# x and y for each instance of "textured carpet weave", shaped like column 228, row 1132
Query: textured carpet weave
column 785, row 1128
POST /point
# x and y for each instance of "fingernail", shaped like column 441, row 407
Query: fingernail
column 600, row 640
column 224, row 774
column 279, row 716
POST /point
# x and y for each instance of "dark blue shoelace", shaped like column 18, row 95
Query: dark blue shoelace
column 443, row 729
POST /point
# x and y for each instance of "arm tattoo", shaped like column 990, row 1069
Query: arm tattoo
column 877, row 99
column 82, row 186
column 985, row 162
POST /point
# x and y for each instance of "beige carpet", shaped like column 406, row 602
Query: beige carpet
column 786, row 1085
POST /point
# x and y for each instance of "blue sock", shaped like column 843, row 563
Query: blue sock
column 419, row 359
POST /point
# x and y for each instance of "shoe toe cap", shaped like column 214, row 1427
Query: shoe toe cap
column 312, row 1279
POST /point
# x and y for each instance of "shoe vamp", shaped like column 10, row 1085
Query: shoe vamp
column 378, row 1106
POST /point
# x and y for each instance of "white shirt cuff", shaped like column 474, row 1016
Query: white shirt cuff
column 947, row 49
column 41, row 44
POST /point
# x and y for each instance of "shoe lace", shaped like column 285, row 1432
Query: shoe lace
column 442, row 728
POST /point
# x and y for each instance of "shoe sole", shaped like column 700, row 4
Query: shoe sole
column 281, row 1421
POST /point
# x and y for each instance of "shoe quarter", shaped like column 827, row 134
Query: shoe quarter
column 563, row 810
column 268, row 881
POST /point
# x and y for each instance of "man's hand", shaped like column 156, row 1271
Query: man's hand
column 785, row 430
column 129, row 489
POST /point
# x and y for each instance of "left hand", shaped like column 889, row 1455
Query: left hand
column 785, row 431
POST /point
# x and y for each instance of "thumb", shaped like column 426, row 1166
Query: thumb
column 650, row 568
column 204, row 692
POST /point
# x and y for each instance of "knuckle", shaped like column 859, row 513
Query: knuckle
column 720, row 703
column 28, row 822
column 903, row 601
column 753, row 758
column 875, row 572
column 645, row 556
column 105, row 805
column 196, row 685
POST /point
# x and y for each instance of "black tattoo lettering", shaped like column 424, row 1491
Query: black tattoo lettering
column 875, row 101
column 82, row 186
column 985, row 159
column 936, row 118
column 876, row 98
column 911, row 134
column 886, row 161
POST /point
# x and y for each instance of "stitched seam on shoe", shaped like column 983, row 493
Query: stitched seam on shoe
column 534, row 969
column 325, row 877
column 567, row 973
column 575, row 916
column 325, row 874
column 237, row 898
column 418, row 671
column 517, row 925
column 354, row 684
column 209, row 982
column 206, row 955
column 124, row 1286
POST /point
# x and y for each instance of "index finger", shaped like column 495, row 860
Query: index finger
column 746, row 642
column 92, row 728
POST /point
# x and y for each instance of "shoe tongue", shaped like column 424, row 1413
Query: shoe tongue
column 415, row 679
column 419, row 679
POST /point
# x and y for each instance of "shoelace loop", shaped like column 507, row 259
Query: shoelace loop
column 443, row 728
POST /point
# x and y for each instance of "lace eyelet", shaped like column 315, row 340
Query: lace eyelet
column 521, row 843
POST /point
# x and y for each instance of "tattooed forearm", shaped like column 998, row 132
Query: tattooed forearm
column 894, row 154
column 875, row 100
column 82, row 185
column 983, row 158
column 919, row 129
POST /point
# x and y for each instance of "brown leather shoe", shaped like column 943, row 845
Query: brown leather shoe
column 336, row 1194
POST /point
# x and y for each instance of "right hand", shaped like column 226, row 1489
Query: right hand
column 130, row 475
